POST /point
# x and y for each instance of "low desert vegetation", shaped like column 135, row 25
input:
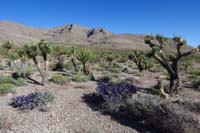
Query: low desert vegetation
column 120, row 76
column 58, row 79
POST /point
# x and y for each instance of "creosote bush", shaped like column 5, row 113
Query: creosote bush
column 58, row 79
column 15, row 81
column 6, row 88
column 81, row 78
column 32, row 100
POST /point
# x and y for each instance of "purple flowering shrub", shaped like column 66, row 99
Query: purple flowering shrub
column 115, row 95
column 31, row 100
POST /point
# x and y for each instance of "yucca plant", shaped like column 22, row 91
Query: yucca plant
column 139, row 58
column 85, row 56
column 170, row 63
column 33, row 52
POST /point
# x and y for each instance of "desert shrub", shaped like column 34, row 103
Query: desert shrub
column 6, row 88
column 106, row 78
column 58, row 79
column 103, row 65
column 23, row 74
column 69, row 66
column 161, row 114
column 109, row 77
column 20, row 82
column 195, row 72
column 32, row 100
column 123, row 59
column 115, row 65
column 81, row 78
column 58, row 66
column 9, row 80
column 114, row 95
column 115, row 70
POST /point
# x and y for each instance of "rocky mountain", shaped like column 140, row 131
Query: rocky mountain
column 70, row 34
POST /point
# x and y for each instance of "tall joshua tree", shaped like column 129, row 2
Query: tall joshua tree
column 33, row 52
column 170, row 63
column 85, row 56
column 46, row 49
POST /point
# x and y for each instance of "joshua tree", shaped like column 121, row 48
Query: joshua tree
column 171, row 63
column 139, row 58
column 9, row 47
column 33, row 52
column 110, row 58
column 46, row 49
column 84, row 56
column 74, row 59
column 22, row 54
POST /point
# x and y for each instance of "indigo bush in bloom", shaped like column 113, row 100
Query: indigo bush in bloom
column 31, row 100
column 115, row 93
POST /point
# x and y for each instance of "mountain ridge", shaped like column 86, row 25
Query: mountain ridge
column 70, row 34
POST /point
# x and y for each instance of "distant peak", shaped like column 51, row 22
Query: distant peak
column 6, row 21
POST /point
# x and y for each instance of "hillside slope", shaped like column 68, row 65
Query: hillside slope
column 72, row 34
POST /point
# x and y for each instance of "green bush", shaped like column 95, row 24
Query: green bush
column 106, row 78
column 115, row 65
column 69, row 66
column 7, row 79
column 6, row 88
column 23, row 74
column 123, row 59
column 58, row 66
column 81, row 78
column 58, row 79
column 20, row 82
column 195, row 72
column 115, row 70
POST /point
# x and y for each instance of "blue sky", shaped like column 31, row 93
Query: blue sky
column 166, row 17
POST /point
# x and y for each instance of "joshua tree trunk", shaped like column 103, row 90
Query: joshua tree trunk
column 174, row 85
column 23, row 66
column 43, row 74
column 161, row 87
column 73, row 60
column 85, row 69
column 46, row 66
